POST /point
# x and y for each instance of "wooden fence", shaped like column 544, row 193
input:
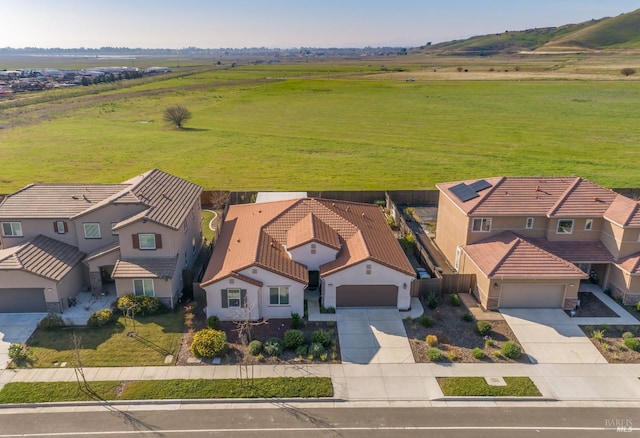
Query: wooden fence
column 446, row 284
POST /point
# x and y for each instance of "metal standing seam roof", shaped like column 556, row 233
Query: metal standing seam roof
column 536, row 196
column 508, row 255
column 255, row 235
column 42, row 256
column 145, row 267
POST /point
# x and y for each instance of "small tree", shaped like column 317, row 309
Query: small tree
column 177, row 115
column 628, row 71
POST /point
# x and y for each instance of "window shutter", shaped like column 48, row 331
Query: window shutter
column 158, row 241
column 55, row 227
column 66, row 228
column 136, row 241
column 225, row 301
column 243, row 298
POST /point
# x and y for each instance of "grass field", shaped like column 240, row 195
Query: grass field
column 252, row 130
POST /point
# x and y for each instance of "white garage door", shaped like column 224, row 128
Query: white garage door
column 531, row 295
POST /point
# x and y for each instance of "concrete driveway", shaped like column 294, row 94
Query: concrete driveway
column 371, row 335
column 16, row 328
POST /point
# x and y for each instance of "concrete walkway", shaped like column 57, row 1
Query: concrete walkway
column 16, row 328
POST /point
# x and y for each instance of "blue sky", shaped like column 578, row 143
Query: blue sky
column 280, row 23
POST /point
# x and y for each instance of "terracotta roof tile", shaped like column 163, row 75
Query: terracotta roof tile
column 532, row 196
column 255, row 234
column 630, row 264
column 576, row 251
column 41, row 256
column 145, row 268
column 624, row 212
column 312, row 229
column 508, row 255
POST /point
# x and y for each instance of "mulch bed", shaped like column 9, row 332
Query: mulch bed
column 591, row 306
column 272, row 328
column 456, row 338
column 611, row 345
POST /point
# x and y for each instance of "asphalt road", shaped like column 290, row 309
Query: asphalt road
column 288, row 421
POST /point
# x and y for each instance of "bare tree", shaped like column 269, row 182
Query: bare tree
column 627, row 71
column 177, row 115
column 244, row 328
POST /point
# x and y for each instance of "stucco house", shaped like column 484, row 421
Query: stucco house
column 530, row 241
column 268, row 253
column 58, row 239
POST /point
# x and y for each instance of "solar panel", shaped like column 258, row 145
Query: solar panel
column 463, row 192
column 479, row 185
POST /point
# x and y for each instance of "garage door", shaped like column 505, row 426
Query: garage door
column 22, row 300
column 531, row 295
column 367, row 296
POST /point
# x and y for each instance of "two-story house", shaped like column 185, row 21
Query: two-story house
column 531, row 240
column 268, row 253
column 60, row 238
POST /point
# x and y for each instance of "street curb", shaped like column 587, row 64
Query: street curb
column 493, row 398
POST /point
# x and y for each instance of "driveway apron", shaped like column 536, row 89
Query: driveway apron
column 550, row 336
column 373, row 335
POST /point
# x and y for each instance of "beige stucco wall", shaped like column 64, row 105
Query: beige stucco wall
column 451, row 229
column 105, row 217
column 163, row 289
column 578, row 233
column 31, row 228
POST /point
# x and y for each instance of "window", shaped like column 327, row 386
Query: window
column 147, row 241
column 92, row 230
column 481, row 224
column 114, row 232
column 529, row 224
column 279, row 295
column 60, row 227
column 588, row 225
column 12, row 229
column 565, row 226
column 233, row 297
column 143, row 286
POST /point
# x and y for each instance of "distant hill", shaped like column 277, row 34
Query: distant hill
column 618, row 32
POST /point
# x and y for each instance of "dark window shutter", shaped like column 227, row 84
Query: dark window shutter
column 136, row 241
column 158, row 241
column 55, row 227
column 66, row 228
column 225, row 302
column 243, row 298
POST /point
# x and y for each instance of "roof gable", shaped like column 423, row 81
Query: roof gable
column 311, row 228
column 624, row 212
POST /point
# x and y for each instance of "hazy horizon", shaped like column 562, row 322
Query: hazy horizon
column 281, row 23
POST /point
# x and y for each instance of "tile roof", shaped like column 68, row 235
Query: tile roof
column 115, row 246
column 624, row 212
column 55, row 201
column 630, row 264
column 145, row 268
column 575, row 251
column 166, row 199
column 523, row 196
column 255, row 234
column 508, row 255
column 41, row 256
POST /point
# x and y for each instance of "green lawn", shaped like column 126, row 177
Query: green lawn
column 282, row 387
column 331, row 133
column 207, row 232
column 156, row 337
column 477, row 386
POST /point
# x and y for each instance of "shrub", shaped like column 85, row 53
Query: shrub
column 208, row 343
column 255, row 347
column 425, row 321
column 100, row 318
column 213, row 322
column 488, row 342
column 273, row 347
column 432, row 300
column 477, row 353
column 627, row 335
column 142, row 304
column 17, row 352
column 638, row 306
column 452, row 356
column 628, row 71
column 598, row 335
column 293, row 339
column 302, row 350
column 483, row 328
column 52, row 320
column 455, row 300
column 296, row 321
column 434, row 354
column 632, row 344
column 321, row 336
column 431, row 340
column 511, row 350
column 468, row 317
column 316, row 349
